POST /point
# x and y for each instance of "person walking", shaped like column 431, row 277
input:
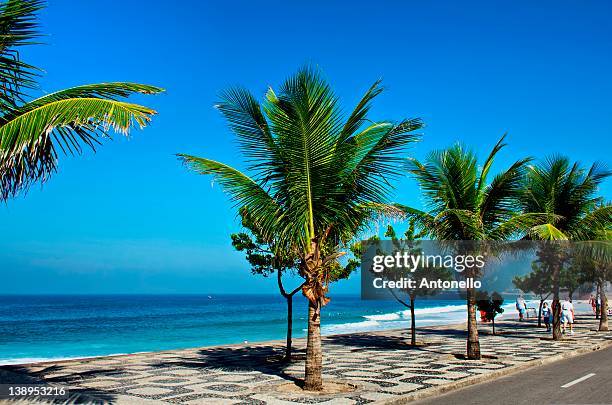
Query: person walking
column 546, row 315
column 521, row 307
column 593, row 303
column 567, row 316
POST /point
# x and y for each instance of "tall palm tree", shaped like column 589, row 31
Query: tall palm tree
column 462, row 205
column 316, row 178
column 569, row 193
column 33, row 133
column 592, row 262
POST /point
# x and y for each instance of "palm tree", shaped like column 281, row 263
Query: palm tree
column 33, row 133
column 462, row 205
column 568, row 192
column 592, row 262
column 316, row 179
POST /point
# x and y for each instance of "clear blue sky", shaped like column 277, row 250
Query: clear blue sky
column 130, row 219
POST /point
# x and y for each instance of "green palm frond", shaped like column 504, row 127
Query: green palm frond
column 461, row 204
column 520, row 225
column 243, row 190
column 594, row 225
column 245, row 118
column 570, row 192
column 33, row 133
column 111, row 91
column 484, row 172
column 31, row 137
column 547, row 232
column 359, row 114
column 500, row 199
column 18, row 27
column 327, row 174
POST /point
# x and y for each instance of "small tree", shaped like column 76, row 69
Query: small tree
column 267, row 257
column 569, row 279
column 537, row 282
column 410, row 243
column 491, row 306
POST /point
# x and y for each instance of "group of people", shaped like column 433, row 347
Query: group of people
column 567, row 314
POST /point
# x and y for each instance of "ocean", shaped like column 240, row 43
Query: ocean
column 37, row 328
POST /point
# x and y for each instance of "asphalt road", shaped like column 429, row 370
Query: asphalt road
column 585, row 379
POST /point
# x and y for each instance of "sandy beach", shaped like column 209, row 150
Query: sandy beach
column 373, row 367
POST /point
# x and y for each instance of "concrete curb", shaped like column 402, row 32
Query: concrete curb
column 477, row 379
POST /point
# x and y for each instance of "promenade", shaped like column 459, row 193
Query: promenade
column 374, row 367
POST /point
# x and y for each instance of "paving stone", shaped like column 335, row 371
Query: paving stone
column 380, row 364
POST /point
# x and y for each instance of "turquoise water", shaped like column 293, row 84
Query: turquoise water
column 33, row 328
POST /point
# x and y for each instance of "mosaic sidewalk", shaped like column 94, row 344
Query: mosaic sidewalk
column 379, row 364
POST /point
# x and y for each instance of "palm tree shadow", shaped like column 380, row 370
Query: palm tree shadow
column 363, row 341
column 16, row 374
column 264, row 359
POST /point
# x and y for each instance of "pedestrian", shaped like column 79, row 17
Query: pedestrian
column 521, row 307
column 593, row 303
column 573, row 313
column 546, row 314
column 567, row 316
column 598, row 303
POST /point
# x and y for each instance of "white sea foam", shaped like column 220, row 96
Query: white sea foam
column 405, row 314
column 436, row 310
column 26, row 360
column 385, row 317
column 431, row 316
column 29, row 360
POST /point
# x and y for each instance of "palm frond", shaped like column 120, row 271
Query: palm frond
column 520, row 225
column 306, row 120
column 501, row 198
column 593, row 225
column 29, row 141
column 243, row 190
column 557, row 186
column 328, row 175
column 547, row 232
column 18, row 27
column 461, row 205
column 359, row 114
column 484, row 172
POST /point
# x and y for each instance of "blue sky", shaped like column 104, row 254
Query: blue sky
column 129, row 218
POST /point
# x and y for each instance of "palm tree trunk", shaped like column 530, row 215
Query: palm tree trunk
column 412, row 323
column 556, row 318
column 493, row 324
column 603, row 318
column 556, row 304
column 314, row 355
column 540, row 313
column 473, row 345
column 289, row 327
